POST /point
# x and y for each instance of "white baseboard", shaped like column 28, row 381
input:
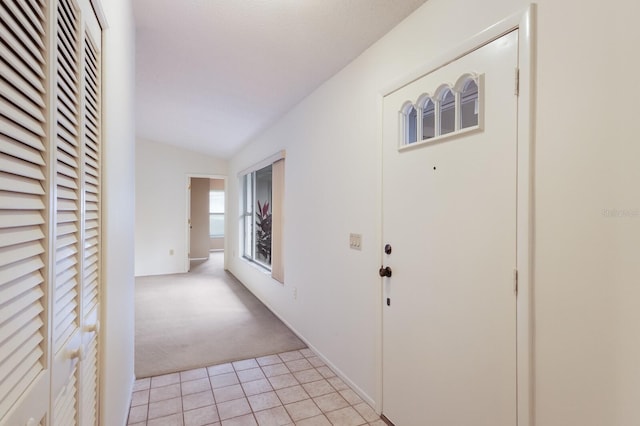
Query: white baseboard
column 365, row 397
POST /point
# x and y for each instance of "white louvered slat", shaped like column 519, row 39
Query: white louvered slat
column 19, row 116
column 67, row 205
column 13, row 59
column 15, row 48
column 19, row 218
column 67, row 194
column 22, row 197
column 68, row 148
column 66, row 216
column 21, row 352
column 16, row 97
column 32, row 90
column 92, row 222
column 90, row 384
column 19, row 150
column 91, row 175
column 64, row 409
column 67, row 254
column 19, row 269
column 25, row 283
column 18, row 235
column 17, row 201
column 65, row 170
column 17, row 322
column 23, row 374
column 17, row 305
column 30, row 19
column 67, row 182
column 21, row 24
column 15, row 253
column 10, row 182
column 16, row 132
column 21, row 168
column 25, row 342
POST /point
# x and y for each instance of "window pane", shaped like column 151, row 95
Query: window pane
column 469, row 105
column 447, row 112
column 248, row 236
column 216, row 202
column 216, row 225
column 412, row 125
column 248, row 193
column 428, row 120
column 263, row 216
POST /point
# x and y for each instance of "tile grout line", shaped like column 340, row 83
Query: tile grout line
column 246, row 397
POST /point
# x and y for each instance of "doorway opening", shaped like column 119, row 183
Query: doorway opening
column 205, row 218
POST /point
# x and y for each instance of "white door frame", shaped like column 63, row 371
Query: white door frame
column 524, row 21
column 187, row 228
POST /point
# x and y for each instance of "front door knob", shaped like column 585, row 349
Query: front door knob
column 385, row 271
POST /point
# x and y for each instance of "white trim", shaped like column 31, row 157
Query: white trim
column 280, row 155
column 99, row 11
column 524, row 21
column 365, row 397
column 525, row 215
column 484, row 37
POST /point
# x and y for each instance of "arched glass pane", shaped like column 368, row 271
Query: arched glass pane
column 412, row 125
column 469, row 105
column 428, row 120
column 447, row 112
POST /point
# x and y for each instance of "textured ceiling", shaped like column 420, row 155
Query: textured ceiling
column 212, row 74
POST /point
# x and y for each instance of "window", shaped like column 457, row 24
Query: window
column 447, row 111
column 450, row 111
column 469, row 104
column 258, row 216
column 428, row 119
column 262, row 219
column 216, row 214
column 412, row 126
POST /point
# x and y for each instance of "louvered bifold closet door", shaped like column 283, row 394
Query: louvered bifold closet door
column 67, row 266
column 24, row 378
column 91, row 223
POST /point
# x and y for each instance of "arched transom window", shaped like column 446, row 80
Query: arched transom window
column 452, row 109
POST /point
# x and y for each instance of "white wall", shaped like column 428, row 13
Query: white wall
column 161, row 204
column 586, row 268
column 116, row 360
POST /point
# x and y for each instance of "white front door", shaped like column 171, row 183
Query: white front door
column 449, row 216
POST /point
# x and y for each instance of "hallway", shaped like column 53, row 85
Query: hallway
column 201, row 318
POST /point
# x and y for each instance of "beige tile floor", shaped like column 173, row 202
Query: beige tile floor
column 291, row 388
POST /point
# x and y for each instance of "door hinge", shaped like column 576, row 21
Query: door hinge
column 515, row 281
column 517, row 83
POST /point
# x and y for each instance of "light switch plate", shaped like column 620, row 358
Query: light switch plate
column 355, row 241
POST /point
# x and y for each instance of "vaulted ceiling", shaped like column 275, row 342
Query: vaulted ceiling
column 212, row 74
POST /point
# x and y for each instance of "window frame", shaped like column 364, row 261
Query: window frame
column 404, row 141
column 249, row 213
column 247, row 207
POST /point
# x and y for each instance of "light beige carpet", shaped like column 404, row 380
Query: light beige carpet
column 202, row 318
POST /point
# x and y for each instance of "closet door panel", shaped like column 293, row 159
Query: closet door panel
column 92, row 270
column 67, row 262
column 24, row 378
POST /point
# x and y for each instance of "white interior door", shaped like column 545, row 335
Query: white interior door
column 49, row 212
column 76, row 267
column 24, row 349
column 449, row 209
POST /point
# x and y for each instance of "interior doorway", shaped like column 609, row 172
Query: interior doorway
column 205, row 217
